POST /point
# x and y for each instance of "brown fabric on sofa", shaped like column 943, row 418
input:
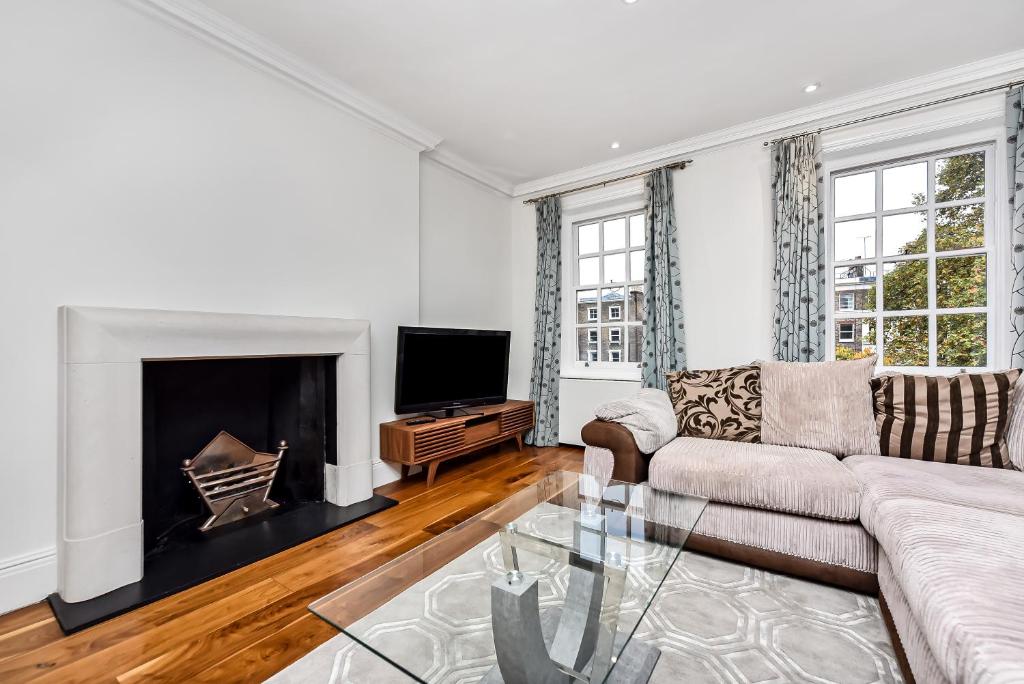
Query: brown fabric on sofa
column 630, row 462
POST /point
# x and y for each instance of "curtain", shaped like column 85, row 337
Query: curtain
column 547, row 333
column 799, row 230
column 1015, row 167
column 664, row 349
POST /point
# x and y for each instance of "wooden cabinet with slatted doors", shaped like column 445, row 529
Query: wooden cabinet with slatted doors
column 430, row 444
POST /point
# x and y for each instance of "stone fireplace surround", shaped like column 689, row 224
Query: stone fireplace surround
column 100, row 541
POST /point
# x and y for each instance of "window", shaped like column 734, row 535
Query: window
column 607, row 283
column 910, row 259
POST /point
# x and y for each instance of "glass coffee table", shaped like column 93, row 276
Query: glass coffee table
column 546, row 586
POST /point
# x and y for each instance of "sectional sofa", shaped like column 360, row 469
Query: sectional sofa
column 942, row 545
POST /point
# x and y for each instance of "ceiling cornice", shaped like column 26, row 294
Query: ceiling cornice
column 982, row 73
column 462, row 166
column 203, row 22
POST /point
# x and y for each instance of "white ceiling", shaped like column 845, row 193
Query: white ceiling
column 530, row 88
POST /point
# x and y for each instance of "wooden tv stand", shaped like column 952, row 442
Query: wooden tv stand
column 431, row 443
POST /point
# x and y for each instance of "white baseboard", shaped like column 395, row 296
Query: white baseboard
column 383, row 473
column 27, row 579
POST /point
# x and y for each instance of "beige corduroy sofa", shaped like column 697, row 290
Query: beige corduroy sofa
column 941, row 544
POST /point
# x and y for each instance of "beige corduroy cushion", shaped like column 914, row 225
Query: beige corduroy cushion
column 825, row 406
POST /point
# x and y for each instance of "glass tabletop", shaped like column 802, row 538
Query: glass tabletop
column 519, row 571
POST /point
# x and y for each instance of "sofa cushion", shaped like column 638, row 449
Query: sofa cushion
column 959, row 568
column 787, row 479
column 958, row 419
column 823, row 406
column 724, row 403
column 882, row 479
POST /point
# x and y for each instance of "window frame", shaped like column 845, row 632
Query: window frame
column 995, row 228
column 607, row 203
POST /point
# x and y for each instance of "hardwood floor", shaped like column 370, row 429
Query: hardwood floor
column 247, row 625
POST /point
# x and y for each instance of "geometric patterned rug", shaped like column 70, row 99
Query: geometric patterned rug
column 714, row 621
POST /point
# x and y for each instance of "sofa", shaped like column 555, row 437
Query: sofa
column 940, row 544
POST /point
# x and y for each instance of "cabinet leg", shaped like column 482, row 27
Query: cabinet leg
column 405, row 471
column 519, row 441
column 432, row 473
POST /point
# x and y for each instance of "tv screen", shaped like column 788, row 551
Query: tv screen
column 442, row 368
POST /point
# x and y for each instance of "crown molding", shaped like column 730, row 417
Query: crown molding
column 201, row 21
column 979, row 74
column 466, row 168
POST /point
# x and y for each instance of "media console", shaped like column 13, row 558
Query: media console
column 429, row 444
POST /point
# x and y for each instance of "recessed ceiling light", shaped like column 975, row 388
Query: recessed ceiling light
column 810, row 88
column 615, row 145
column 629, row 2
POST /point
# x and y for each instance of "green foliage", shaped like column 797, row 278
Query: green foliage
column 960, row 281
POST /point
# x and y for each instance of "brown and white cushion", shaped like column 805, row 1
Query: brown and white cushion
column 724, row 403
column 958, row 419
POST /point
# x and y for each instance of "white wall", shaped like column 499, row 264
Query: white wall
column 143, row 168
column 723, row 210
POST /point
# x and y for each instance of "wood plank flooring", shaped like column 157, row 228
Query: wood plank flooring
column 251, row 623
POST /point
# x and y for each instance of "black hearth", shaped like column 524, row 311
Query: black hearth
column 261, row 401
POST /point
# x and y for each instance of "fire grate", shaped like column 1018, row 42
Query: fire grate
column 233, row 479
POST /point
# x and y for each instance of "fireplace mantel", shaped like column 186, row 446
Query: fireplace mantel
column 100, row 542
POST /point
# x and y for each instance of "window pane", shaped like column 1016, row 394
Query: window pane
column 586, row 306
column 906, row 340
column 905, row 186
column 860, row 282
column 962, row 340
column 960, row 227
column 855, row 338
column 636, row 230
column 586, row 344
column 855, row 239
column 636, row 302
column 588, row 239
column 635, row 342
column 589, row 274
column 613, row 344
column 905, row 234
column 854, row 194
column 615, row 234
column 612, row 300
column 636, row 265
column 960, row 177
column 905, row 285
column 960, row 281
column 614, row 268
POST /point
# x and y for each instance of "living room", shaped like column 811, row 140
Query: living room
column 320, row 308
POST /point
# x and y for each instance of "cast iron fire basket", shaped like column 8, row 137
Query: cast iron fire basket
column 233, row 479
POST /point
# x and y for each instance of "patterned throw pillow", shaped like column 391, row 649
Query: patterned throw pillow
column 724, row 403
column 958, row 419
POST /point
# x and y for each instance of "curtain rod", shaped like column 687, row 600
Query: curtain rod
column 902, row 110
column 680, row 165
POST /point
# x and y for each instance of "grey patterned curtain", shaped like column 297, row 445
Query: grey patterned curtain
column 547, row 333
column 664, row 349
column 1015, row 167
column 799, row 230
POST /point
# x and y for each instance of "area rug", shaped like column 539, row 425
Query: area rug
column 713, row 620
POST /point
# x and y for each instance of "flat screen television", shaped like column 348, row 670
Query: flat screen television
column 443, row 369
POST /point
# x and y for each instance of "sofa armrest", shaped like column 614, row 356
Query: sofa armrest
column 630, row 462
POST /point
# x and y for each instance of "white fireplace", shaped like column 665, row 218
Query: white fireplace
column 100, row 540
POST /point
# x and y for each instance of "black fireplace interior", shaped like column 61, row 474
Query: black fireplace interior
column 260, row 401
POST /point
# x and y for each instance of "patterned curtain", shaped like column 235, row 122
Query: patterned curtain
column 663, row 344
column 1015, row 167
column 799, row 230
column 547, row 333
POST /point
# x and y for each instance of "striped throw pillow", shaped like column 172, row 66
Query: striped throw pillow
column 958, row 419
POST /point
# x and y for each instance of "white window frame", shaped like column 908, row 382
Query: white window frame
column 592, row 335
column 614, row 335
column 853, row 331
column 996, row 233
column 620, row 199
column 615, row 312
column 615, row 355
column 852, row 298
column 592, row 314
